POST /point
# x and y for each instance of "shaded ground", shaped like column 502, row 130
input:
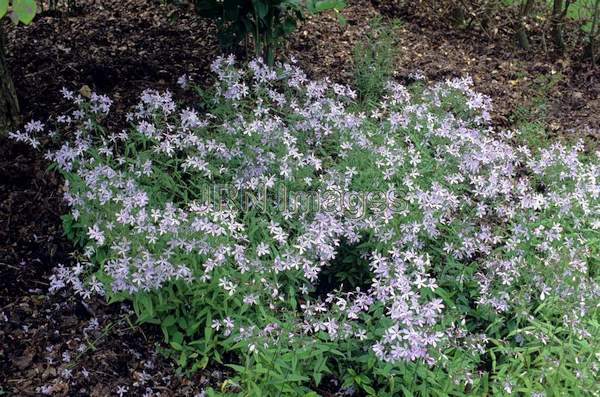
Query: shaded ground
column 49, row 343
column 52, row 344
column 560, row 92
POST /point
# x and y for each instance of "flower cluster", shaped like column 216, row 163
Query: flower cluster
column 482, row 233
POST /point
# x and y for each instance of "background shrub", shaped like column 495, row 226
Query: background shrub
column 266, row 21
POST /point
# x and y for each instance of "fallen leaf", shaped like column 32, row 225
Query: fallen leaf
column 85, row 91
column 25, row 360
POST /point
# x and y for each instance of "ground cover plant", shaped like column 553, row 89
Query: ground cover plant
column 277, row 227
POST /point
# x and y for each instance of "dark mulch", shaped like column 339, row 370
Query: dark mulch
column 121, row 47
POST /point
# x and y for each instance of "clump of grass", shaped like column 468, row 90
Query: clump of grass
column 374, row 61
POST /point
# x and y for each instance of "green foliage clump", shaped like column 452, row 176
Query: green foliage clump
column 374, row 62
column 268, row 22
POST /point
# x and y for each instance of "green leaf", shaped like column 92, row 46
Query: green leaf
column 183, row 359
column 261, row 8
column 406, row 391
column 325, row 5
column 24, row 10
column 177, row 338
column 237, row 368
column 3, row 7
column 203, row 362
column 176, row 346
column 369, row 390
column 295, row 378
column 167, row 322
column 288, row 26
column 144, row 308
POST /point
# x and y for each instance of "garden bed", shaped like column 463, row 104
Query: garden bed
column 115, row 49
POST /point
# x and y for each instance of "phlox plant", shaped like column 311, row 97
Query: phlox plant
column 439, row 258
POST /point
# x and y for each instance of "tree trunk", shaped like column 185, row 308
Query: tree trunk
column 593, row 32
column 557, row 25
column 522, row 37
column 9, row 106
